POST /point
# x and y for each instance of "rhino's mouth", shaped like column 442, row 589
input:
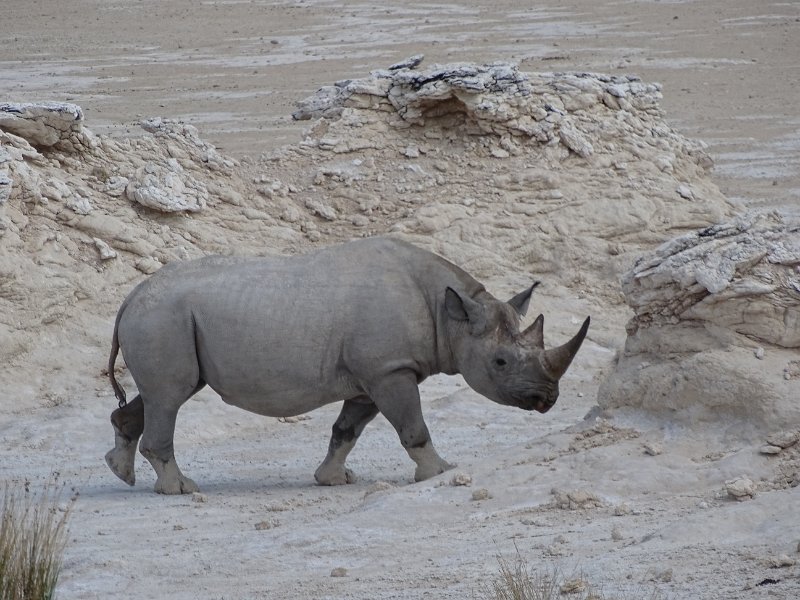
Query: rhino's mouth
column 532, row 398
column 536, row 403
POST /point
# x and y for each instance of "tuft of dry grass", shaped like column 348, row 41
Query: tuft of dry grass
column 517, row 580
column 33, row 535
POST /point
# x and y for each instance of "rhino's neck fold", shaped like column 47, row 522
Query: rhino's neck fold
column 445, row 356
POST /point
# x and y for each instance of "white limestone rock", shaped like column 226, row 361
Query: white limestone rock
column 166, row 189
column 704, row 303
column 41, row 124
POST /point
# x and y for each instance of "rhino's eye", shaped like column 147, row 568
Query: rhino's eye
column 500, row 362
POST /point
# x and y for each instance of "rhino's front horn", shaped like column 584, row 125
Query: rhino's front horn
column 557, row 360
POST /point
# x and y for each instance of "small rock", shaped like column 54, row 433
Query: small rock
column 106, row 251
column 461, row 479
column 759, row 353
column 200, row 498
column 411, row 152
column 481, row 494
column 360, row 221
column 653, row 448
column 178, row 528
column 784, row 439
column 408, row 63
column 339, row 572
column 148, row 265
column 322, row 210
column 780, row 562
column 684, row 191
column 574, row 586
column 620, row 510
column 740, row 488
column 290, row 214
column 616, row 534
column 264, row 525
column 770, row 449
column 576, row 500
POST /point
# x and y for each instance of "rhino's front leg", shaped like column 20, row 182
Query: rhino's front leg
column 397, row 397
column 355, row 415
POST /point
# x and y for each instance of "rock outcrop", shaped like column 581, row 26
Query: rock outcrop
column 44, row 125
column 708, row 307
column 565, row 173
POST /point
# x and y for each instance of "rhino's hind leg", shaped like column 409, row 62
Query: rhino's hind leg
column 128, row 423
column 157, row 447
column 355, row 415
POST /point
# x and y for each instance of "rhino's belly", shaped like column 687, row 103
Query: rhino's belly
column 283, row 401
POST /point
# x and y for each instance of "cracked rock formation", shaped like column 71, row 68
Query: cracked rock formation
column 708, row 306
column 45, row 124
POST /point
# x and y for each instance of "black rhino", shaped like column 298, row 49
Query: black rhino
column 364, row 322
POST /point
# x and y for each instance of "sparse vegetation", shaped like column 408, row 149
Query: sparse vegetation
column 33, row 534
column 517, row 580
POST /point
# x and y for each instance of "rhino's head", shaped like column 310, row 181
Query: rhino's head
column 498, row 360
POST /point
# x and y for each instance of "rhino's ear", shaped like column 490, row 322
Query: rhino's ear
column 464, row 308
column 521, row 301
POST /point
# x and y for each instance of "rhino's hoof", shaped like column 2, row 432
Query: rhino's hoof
column 424, row 472
column 172, row 487
column 340, row 477
column 120, row 463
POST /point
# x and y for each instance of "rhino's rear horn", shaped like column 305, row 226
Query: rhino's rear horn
column 557, row 360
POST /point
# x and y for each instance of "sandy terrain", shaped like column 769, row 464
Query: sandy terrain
column 633, row 503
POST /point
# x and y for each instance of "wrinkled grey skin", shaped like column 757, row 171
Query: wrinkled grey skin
column 364, row 322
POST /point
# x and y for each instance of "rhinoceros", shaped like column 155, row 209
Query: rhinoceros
column 363, row 322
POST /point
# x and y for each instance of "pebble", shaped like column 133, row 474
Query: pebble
column 481, row 494
column 684, row 191
column 461, row 479
column 106, row 251
column 740, row 488
column 770, row 449
column 780, row 562
column 339, row 572
column 147, row 265
column 616, row 534
column 620, row 510
column 200, row 498
column 784, row 439
column 264, row 525
column 759, row 353
column 653, row 448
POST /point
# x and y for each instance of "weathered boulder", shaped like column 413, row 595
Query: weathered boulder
column 166, row 188
column 708, row 306
column 45, row 124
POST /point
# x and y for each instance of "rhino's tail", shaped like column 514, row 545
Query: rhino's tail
column 112, row 359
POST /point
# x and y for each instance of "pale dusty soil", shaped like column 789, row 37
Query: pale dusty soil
column 234, row 69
